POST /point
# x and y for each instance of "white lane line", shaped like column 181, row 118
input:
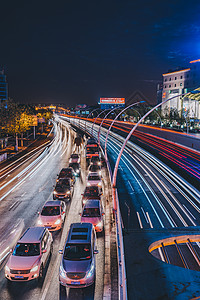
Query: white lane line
column 139, row 219
column 161, row 255
column 144, row 214
column 131, row 187
column 158, row 201
column 149, row 220
column 189, row 212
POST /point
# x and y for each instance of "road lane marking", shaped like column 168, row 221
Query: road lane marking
column 139, row 219
column 144, row 214
column 149, row 220
column 189, row 212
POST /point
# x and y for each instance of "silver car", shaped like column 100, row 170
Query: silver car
column 77, row 267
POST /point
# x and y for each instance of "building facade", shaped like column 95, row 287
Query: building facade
column 3, row 88
column 175, row 85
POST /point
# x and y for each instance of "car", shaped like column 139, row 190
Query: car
column 66, row 173
column 74, row 158
column 30, row 255
column 78, row 267
column 95, row 160
column 95, row 169
column 63, row 190
column 91, row 192
column 52, row 215
column 94, row 179
column 93, row 213
column 76, row 168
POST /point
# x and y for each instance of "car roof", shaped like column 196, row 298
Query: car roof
column 32, row 235
column 92, row 203
column 53, row 203
column 80, row 233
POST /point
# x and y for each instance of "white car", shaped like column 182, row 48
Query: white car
column 52, row 215
column 94, row 179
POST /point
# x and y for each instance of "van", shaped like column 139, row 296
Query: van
column 77, row 267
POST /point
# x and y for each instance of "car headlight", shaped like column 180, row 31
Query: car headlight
column 68, row 192
column 54, row 192
column 99, row 184
column 99, row 163
column 99, row 172
column 57, row 222
column 34, row 269
column 88, row 184
column 62, row 272
column 7, row 269
column 84, row 201
column 91, row 271
column 100, row 224
column 77, row 171
column 39, row 222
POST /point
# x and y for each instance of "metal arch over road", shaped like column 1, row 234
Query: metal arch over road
column 171, row 208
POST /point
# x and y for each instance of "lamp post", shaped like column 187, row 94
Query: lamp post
column 115, row 108
column 123, row 146
column 97, row 117
column 89, row 115
column 106, row 156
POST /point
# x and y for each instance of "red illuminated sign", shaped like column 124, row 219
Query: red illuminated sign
column 112, row 100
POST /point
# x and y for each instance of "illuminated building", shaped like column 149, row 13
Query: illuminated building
column 3, row 88
column 180, row 82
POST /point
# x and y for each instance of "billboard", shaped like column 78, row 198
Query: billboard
column 112, row 100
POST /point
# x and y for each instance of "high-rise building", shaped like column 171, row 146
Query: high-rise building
column 3, row 88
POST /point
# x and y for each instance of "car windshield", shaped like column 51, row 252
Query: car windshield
column 24, row 249
column 93, row 177
column 77, row 252
column 91, row 212
column 50, row 211
column 74, row 156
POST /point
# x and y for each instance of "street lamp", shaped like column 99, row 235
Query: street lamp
column 106, row 156
column 115, row 108
column 89, row 115
column 97, row 117
column 124, row 145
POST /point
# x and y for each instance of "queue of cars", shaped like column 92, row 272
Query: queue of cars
column 77, row 268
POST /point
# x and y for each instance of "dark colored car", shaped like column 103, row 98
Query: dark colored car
column 66, row 173
column 63, row 189
column 95, row 168
column 95, row 160
column 76, row 168
column 91, row 192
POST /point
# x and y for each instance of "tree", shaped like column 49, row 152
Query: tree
column 15, row 119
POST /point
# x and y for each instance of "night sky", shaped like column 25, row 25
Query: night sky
column 78, row 51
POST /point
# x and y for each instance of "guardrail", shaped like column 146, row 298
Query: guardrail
column 122, row 282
